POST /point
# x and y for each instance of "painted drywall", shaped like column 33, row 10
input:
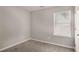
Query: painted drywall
column 14, row 26
column 42, row 27
column 34, row 8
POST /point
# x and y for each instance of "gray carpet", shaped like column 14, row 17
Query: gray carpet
column 36, row 46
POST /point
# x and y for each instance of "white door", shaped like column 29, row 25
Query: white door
column 77, row 29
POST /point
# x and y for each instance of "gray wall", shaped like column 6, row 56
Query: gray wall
column 42, row 27
column 14, row 26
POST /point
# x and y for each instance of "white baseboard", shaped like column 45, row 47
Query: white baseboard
column 55, row 44
column 35, row 40
column 15, row 44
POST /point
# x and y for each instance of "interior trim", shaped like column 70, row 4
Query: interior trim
column 15, row 44
column 55, row 44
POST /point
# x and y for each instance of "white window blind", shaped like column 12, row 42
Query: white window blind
column 62, row 23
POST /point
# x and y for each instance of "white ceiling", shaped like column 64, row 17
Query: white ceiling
column 33, row 8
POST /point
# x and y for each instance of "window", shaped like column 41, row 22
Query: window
column 62, row 23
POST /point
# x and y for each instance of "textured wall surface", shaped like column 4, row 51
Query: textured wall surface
column 42, row 27
column 14, row 25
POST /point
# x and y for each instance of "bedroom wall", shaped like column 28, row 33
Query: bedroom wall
column 14, row 26
column 42, row 27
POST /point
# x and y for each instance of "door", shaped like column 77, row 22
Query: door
column 77, row 29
